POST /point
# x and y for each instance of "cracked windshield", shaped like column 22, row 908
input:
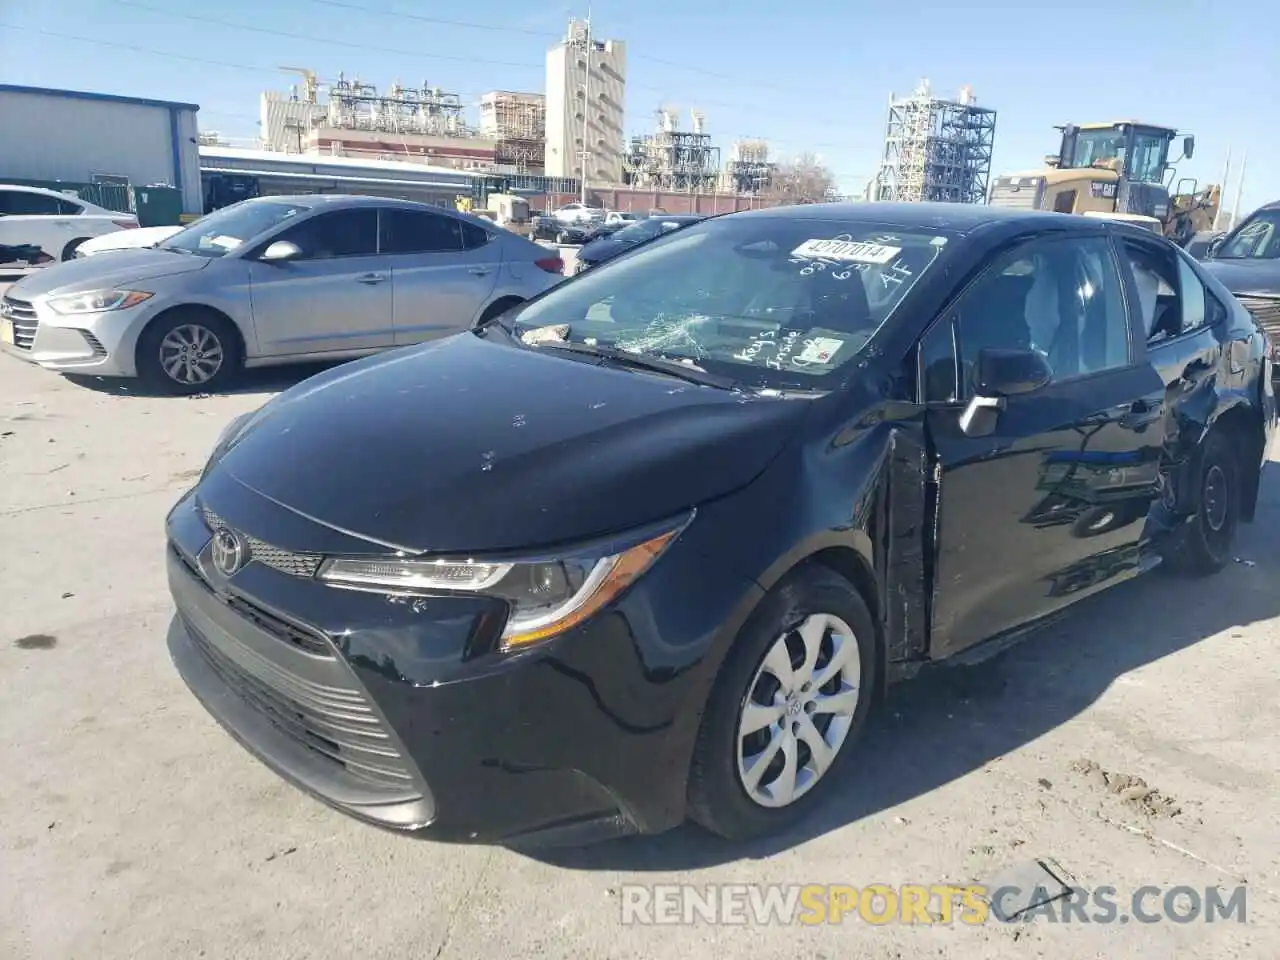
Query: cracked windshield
column 779, row 302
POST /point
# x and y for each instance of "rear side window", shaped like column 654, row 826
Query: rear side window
column 1172, row 299
column 69, row 207
column 416, row 231
column 473, row 236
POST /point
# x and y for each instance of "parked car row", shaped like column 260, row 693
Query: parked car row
column 650, row 546
column 39, row 226
column 269, row 281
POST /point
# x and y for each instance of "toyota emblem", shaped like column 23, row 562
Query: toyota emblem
column 228, row 551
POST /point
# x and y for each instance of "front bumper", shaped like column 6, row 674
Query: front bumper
column 394, row 713
column 98, row 344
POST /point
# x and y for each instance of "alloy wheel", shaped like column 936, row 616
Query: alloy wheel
column 191, row 354
column 798, row 710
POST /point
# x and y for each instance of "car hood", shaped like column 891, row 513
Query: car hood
column 603, row 248
column 471, row 444
column 1246, row 276
column 127, row 239
column 122, row 268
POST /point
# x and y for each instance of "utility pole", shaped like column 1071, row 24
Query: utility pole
column 586, row 110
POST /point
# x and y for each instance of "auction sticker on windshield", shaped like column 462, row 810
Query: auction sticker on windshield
column 855, row 251
column 819, row 350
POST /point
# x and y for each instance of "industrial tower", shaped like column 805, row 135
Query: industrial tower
column 936, row 149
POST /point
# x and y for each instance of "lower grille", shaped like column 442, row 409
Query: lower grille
column 337, row 723
column 23, row 315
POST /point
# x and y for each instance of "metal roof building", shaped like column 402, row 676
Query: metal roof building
column 82, row 137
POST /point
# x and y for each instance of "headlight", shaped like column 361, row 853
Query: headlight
column 545, row 596
column 97, row 301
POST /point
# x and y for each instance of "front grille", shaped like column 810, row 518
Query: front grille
column 1266, row 310
column 277, row 558
column 23, row 315
column 1017, row 193
column 336, row 722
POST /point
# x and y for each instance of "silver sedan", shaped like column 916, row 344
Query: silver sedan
column 269, row 281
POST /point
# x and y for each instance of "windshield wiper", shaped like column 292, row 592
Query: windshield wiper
column 643, row 361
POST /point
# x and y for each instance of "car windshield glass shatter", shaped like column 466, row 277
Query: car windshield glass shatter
column 231, row 228
column 767, row 301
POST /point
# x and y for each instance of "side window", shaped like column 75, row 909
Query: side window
column 473, row 236
column 413, row 231
column 939, row 382
column 1061, row 297
column 23, row 203
column 342, row 233
column 70, row 207
column 1194, row 298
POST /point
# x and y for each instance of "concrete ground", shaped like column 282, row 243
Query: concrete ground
column 132, row 826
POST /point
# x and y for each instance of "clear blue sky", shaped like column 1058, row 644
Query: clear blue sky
column 807, row 76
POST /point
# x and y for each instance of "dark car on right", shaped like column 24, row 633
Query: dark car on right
column 607, row 247
column 1247, row 262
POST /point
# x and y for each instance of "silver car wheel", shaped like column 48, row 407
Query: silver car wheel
column 798, row 710
column 191, row 354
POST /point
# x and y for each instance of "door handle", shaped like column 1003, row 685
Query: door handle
column 479, row 271
column 371, row 278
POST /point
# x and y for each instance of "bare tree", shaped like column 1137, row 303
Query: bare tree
column 803, row 180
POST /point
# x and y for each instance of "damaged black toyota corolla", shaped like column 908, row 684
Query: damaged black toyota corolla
column 649, row 547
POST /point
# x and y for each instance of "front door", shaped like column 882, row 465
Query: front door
column 1051, row 504
column 335, row 297
column 443, row 269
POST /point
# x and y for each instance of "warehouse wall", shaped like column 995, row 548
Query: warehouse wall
column 53, row 136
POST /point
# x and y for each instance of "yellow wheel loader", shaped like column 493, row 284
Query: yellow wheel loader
column 1120, row 169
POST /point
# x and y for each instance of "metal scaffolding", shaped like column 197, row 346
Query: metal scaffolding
column 748, row 169
column 426, row 110
column 518, row 124
column 936, row 150
column 672, row 159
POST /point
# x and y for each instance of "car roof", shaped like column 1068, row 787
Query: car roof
column 42, row 191
column 956, row 217
column 338, row 201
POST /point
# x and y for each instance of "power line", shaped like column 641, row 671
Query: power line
column 312, row 38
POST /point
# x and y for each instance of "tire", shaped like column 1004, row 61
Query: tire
column 811, row 597
column 69, row 251
column 195, row 326
column 497, row 307
column 1203, row 545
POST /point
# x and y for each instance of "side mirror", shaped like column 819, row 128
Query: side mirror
column 281, row 251
column 1188, row 147
column 1002, row 374
column 1214, row 246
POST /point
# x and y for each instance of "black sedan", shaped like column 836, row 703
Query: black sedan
column 1247, row 261
column 606, row 247
column 650, row 546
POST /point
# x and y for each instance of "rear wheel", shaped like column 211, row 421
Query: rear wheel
column 189, row 351
column 791, row 698
column 1203, row 545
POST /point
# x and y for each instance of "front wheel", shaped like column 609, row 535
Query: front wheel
column 189, row 351
column 791, row 697
column 1203, row 545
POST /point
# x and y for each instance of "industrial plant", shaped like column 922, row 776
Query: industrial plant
column 571, row 137
column 936, row 149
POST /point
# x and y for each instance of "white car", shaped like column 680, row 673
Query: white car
column 126, row 240
column 54, row 223
column 577, row 213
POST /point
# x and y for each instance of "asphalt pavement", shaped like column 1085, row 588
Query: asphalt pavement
column 132, row 826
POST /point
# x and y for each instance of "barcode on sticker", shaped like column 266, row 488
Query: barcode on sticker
column 852, row 250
